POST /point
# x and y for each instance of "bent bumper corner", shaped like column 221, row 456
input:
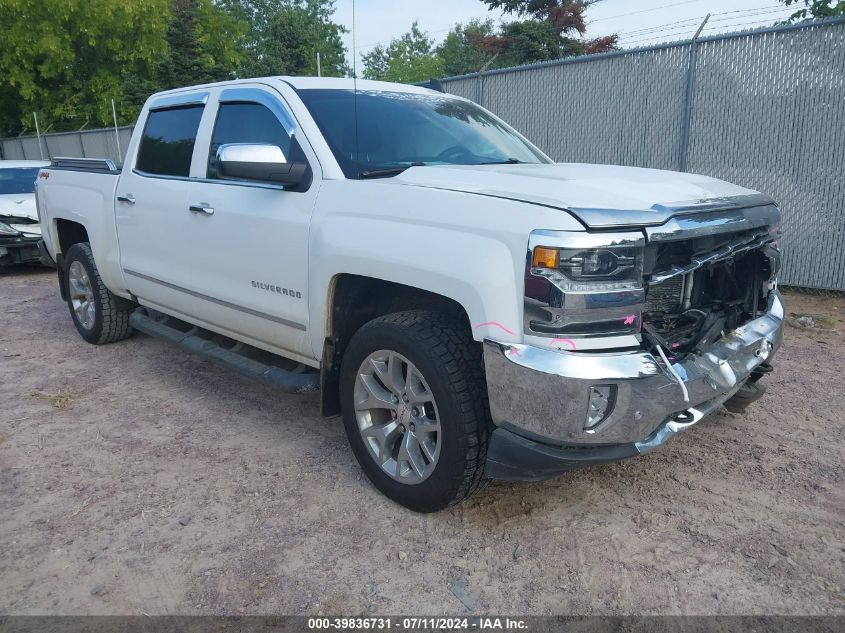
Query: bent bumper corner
column 539, row 398
column 19, row 250
column 44, row 255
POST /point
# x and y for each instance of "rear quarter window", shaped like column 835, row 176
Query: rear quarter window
column 167, row 143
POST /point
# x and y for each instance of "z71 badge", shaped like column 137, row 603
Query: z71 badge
column 282, row 291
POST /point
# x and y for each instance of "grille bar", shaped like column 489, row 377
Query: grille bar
column 737, row 246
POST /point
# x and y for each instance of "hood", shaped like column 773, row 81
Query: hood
column 18, row 211
column 18, row 205
column 600, row 196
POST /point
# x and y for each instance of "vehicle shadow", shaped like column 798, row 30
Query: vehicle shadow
column 20, row 270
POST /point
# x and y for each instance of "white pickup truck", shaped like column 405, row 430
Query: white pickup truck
column 473, row 310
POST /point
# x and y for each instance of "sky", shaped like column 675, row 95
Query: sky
column 639, row 23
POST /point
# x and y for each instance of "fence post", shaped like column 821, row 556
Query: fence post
column 117, row 134
column 478, row 88
column 38, row 134
column 683, row 153
column 81, row 144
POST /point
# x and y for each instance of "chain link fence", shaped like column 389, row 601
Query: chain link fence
column 764, row 109
column 101, row 143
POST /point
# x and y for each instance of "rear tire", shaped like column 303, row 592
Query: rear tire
column 99, row 316
column 439, row 367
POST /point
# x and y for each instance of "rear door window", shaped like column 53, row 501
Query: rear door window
column 167, row 143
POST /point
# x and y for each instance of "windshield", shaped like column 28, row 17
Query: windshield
column 398, row 129
column 18, row 179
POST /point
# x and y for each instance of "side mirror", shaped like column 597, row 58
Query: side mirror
column 266, row 163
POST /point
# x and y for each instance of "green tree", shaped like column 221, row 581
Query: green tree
column 284, row 37
column 204, row 44
column 461, row 49
column 66, row 59
column 530, row 41
column 816, row 9
column 409, row 58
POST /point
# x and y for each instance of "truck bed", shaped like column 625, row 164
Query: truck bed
column 82, row 191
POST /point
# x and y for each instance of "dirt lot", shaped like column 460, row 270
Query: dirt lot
column 135, row 478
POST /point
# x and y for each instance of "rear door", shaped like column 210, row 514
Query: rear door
column 152, row 199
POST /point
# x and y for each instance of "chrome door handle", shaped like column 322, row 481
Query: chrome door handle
column 202, row 207
column 127, row 198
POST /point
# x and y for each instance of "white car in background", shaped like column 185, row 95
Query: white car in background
column 19, row 228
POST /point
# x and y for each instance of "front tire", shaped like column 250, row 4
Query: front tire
column 99, row 316
column 414, row 403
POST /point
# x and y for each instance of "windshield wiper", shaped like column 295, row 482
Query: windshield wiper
column 390, row 171
column 507, row 161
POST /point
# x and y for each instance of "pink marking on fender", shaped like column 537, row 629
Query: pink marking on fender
column 567, row 341
column 497, row 324
column 630, row 319
column 675, row 345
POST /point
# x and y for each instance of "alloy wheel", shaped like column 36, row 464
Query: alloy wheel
column 397, row 416
column 81, row 295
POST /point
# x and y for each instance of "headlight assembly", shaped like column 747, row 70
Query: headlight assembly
column 618, row 263
column 583, row 262
column 5, row 229
column 584, row 284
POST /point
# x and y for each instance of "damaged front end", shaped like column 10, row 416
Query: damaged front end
column 19, row 236
column 678, row 286
column 634, row 335
column 708, row 275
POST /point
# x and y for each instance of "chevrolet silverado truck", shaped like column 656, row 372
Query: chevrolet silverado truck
column 471, row 308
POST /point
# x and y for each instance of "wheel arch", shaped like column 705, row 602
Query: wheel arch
column 354, row 300
column 67, row 234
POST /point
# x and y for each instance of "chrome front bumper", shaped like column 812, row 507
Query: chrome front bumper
column 543, row 395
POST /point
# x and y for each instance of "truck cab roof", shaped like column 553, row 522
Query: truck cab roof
column 346, row 83
column 316, row 83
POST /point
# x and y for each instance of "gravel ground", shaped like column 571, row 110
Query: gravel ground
column 136, row 478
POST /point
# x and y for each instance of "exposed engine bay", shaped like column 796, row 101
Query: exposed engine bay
column 696, row 290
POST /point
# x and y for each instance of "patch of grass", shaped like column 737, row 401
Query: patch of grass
column 810, row 321
column 63, row 400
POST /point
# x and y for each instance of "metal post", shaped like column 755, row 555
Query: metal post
column 683, row 157
column 480, row 90
column 116, row 132
column 38, row 134
column 319, row 71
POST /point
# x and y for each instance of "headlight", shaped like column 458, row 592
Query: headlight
column 5, row 229
column 583, row 262
column 584, row 284
column 599, row 264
